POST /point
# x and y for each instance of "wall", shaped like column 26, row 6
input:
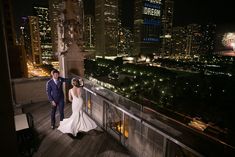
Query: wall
column 29, row 90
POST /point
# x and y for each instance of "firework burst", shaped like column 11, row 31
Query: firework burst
column 229, row 40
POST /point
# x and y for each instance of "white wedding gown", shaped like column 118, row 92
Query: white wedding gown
column 79, row 121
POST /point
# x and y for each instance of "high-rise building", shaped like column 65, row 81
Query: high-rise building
column 167, row 23
column 31, row 38
column 106, row 27
column 194, row 39
column 209, row 38
column 55, row 9
column 26, row 37
column 89, row 42
column 45, row 32
column 125, row 42
column 147, row 26
column 35, row 40
column 179, row 41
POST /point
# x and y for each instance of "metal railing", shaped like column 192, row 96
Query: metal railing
column 131, row 126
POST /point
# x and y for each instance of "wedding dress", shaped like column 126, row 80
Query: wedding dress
column 79, row 121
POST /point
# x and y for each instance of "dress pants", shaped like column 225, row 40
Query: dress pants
column 60, row 104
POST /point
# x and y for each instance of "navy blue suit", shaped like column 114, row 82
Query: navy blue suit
column 55, row 93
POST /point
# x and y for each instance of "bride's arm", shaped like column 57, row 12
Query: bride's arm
column 70, row 96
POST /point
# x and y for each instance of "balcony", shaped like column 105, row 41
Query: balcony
column 125, row 127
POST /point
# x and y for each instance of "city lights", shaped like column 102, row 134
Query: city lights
column 34, row 71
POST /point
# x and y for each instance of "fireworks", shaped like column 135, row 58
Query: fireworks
column 229, row 40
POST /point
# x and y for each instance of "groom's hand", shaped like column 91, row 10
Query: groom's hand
column 53, row 103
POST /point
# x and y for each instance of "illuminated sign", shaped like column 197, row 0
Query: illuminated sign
column 154, row 1
column 152, row 11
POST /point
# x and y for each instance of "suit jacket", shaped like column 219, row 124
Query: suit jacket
column 55, row 91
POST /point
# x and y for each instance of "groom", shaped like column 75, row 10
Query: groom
column 54, row 88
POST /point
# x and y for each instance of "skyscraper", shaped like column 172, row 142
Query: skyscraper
column 45, row 32
column 209, row 38
column 31, row 38
column 147, row 26
column 125, row 42
column 25, row 36
column 89, row 31
column 194, row 39
column 35, row 40
column 106, row 27
column 167, row 22
column 55, row 8
column 179, row 41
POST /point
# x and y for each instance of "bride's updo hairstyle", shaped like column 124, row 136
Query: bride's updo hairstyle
column 76, row 82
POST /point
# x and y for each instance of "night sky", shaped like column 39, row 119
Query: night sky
column 204, row 11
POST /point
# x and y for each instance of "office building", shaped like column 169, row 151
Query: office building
column 89, row 41
column 55, row 9
column 147, row 26
column 106, row 27
column 45, row 33
column 167, row 23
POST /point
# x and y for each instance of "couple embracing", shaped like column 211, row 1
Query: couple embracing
column 78, row 121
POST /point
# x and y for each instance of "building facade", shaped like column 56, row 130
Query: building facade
column 194, row 39
column 147, row 26
column 179, row 41
column 167, row 23
column 54, row 7
column 89, row 40
column 209, row 36
column 106, row 27
column 45, row 33
column 35, row 40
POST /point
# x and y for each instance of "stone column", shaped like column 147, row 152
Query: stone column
column 70, row 39
column 73, row 61
column 71, row 35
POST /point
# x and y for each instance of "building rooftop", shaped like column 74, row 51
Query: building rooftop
column 50, row 142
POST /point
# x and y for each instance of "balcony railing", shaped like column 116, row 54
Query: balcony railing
column 125, row 120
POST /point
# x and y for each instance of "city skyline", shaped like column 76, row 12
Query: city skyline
column 185, row 12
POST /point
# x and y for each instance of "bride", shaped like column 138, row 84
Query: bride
column 78, row 121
